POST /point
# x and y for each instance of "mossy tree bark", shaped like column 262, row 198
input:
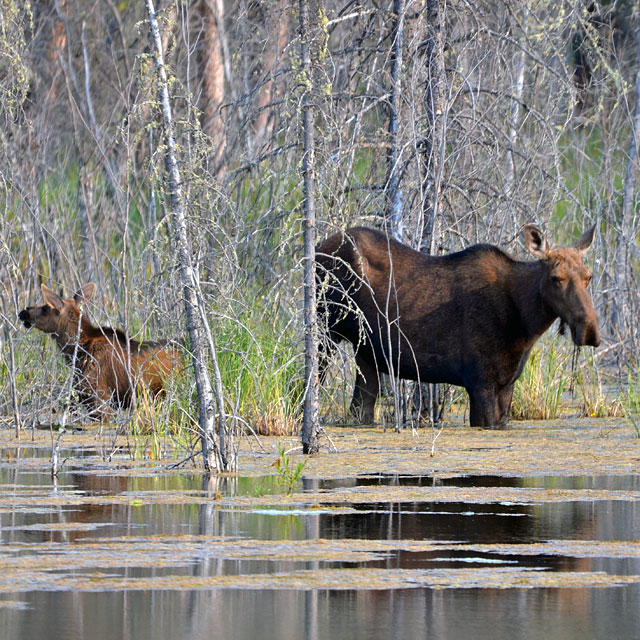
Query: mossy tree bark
column 433, row 149
column 627, row 236
column 310, row 423
column 215, row 454
column 394, row 166
column 433, row 146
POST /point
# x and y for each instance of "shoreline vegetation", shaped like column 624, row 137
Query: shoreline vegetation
column 565, row 446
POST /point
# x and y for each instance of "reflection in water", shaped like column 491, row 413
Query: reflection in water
column 267, row 614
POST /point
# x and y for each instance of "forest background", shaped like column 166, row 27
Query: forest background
column 446, row 122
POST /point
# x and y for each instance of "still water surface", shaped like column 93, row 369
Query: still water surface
column 49, row 610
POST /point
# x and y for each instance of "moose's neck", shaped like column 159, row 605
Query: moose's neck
column 536, row 316
column 71, row 336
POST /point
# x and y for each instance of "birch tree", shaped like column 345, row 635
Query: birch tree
column 310, row 425
column 433, row 145
column 215, row 454
column 394, row 161
column 627, row 239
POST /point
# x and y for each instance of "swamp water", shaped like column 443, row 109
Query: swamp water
column 119, row 553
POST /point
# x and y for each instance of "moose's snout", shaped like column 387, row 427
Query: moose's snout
column 585, row 334
column 593, row 337
column 25, row 318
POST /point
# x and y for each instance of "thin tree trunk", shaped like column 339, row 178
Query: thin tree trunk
column 626, row 236
column 513, row 131
column 276, row 41
column 213, row 456
column 433, row 144
column 310, row 425
column 54, row 64
column 433, row 147
column 11, row 367
column 62, row 429
column 393, row 192
column 213, row 75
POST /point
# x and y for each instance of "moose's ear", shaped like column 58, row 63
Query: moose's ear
column 52, row 298
column 535, row 241
column 84, row 293
column 586, row 239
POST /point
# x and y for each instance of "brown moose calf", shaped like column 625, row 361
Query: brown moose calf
column 108, row 364
column 467, row 319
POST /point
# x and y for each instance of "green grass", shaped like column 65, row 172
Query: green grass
column 261, row 370
column 288, row 473
column 538, row 392
column 595, row 401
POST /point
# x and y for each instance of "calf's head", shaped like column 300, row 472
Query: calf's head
column 57, row 315
column 564, row 284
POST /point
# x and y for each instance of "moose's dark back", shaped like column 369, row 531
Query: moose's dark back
column 469, row 318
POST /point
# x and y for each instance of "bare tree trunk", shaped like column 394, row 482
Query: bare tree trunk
column 277, row 39
column 310, row 424
column 11, row 365
column 213, row 456
column 54, row 65
column 62, row 429
column 213, row 91
column 433, row 144
column 393, row 193
column 626, row 237
column 433, row 147
column 513, row 133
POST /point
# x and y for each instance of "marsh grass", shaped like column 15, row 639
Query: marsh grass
column 288, row 472
column 262, row 373
column 538, row 392
column 550, row 382
column 595, row 400
column 631, row 400
column 150, row 428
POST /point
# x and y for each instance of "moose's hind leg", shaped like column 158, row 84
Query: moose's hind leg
column 326, row 348
column 366, row 391
column 505, row 395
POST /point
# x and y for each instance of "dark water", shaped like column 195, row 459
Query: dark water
column 265, row 614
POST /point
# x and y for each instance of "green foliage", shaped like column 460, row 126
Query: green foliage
column 260, row 490
column 586, row 158
column 260, row 366
column 288, row 474
column 158, row 426
column 16, row 20
column 538, row 391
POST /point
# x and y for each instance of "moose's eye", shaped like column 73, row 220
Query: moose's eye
column 557, row 281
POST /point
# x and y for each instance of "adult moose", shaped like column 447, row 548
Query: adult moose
column 108, row 364
column 468, row 319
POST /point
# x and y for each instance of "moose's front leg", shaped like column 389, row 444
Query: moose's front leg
column 483, row 408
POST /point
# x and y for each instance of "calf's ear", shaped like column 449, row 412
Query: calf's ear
column 586, row 239
column 84, row 293
column 535, row 241
column 52, row 298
